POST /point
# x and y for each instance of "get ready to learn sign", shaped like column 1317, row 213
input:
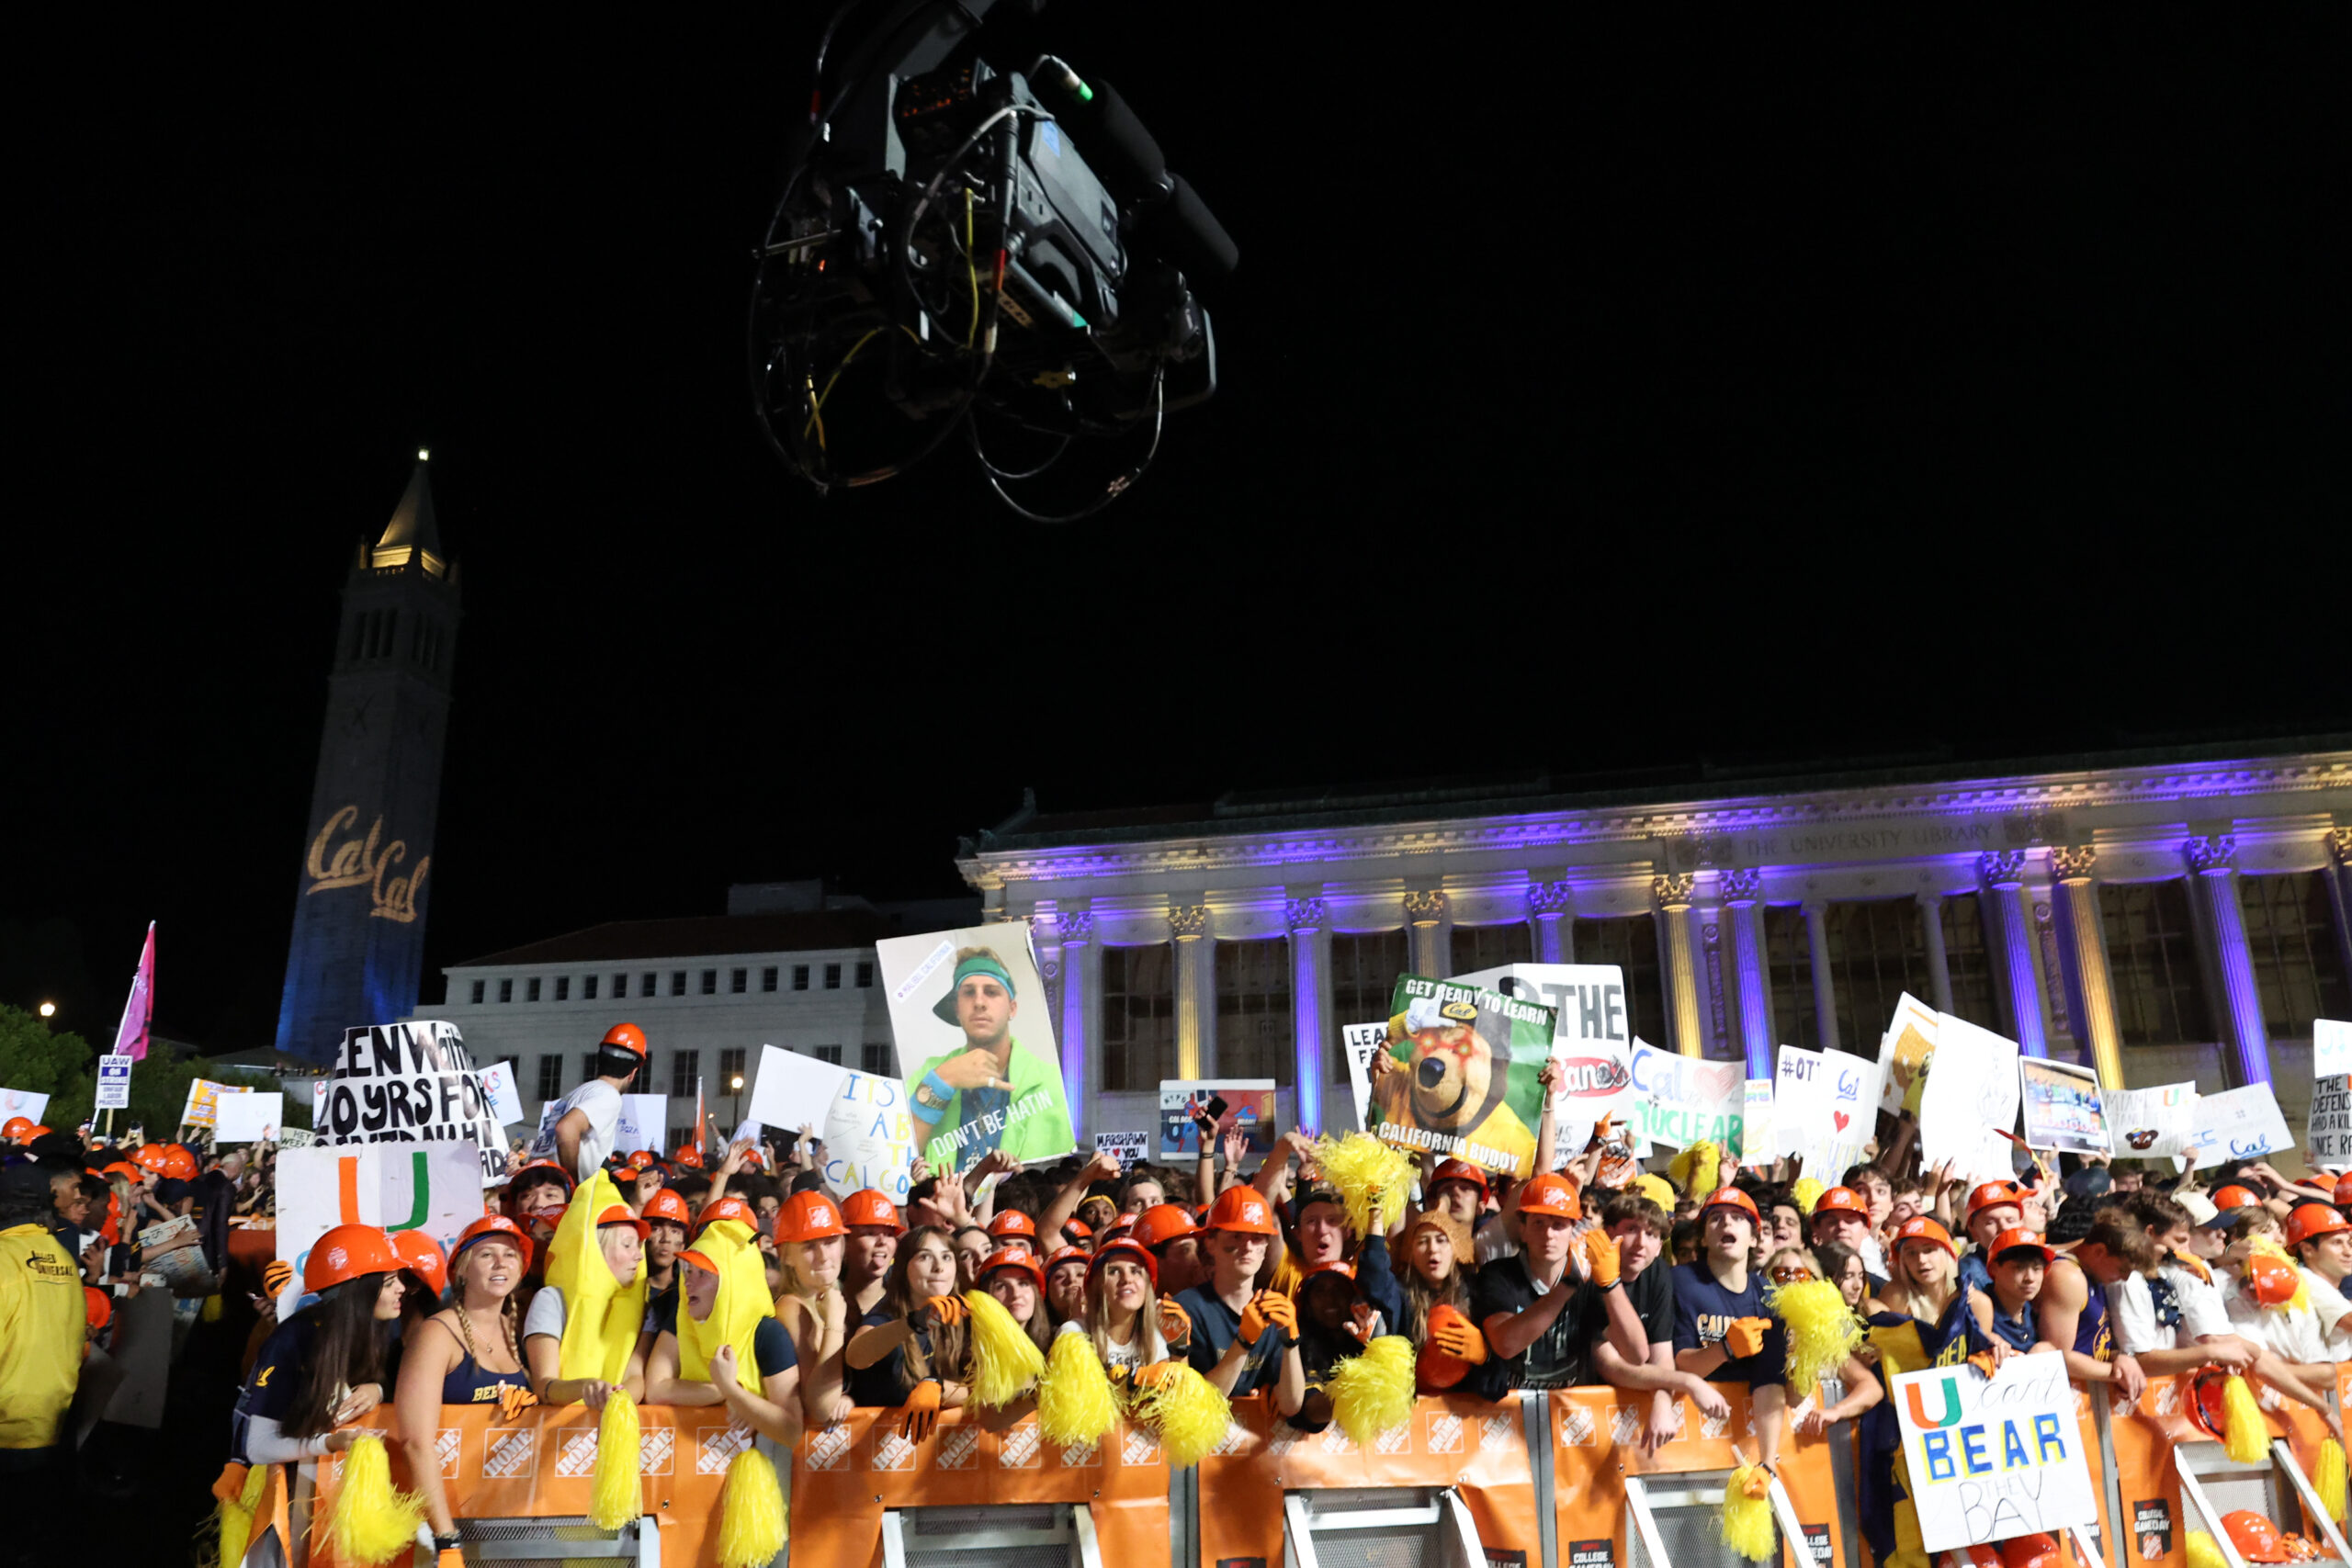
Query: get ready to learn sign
column 1994, row 1458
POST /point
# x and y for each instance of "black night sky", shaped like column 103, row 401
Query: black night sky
column 1745, row 385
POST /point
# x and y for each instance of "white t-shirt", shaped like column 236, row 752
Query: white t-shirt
column 602, row 1101
column 2301, row 1334
column 545, row 1316
column 2133, row 1312
column 1127, row 1355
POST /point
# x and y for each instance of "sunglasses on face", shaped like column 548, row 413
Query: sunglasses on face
column 1790, row 1274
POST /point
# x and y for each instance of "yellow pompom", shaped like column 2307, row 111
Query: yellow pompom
column 1005, row 1360
column 235, row 1510
column 1746, row 1521
column 370, row 1520
column 1696, row 1168
column 1807, row 1191
column 751, row 1514
column 1187, row 1411
column 2327, row 1478
column 2203, row 1553
column 1372, row 1180
column 1373, row 1392
column 1074, row 1402
column 614, row 1495
column 1823, row 1330
column 2244, row 1436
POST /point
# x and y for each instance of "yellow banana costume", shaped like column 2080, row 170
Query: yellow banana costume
column 601, row 1317
column 734, row 1316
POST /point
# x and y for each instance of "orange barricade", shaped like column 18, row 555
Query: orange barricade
column 1452, row 1441
column 2145, row 1436
column 1595, row 1443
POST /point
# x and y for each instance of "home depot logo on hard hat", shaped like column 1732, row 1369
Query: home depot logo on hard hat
column 1254, row 1213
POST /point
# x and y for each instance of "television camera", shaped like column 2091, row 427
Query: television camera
column 964, row 248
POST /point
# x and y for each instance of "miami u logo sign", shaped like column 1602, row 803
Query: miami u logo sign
column 1919, row 1416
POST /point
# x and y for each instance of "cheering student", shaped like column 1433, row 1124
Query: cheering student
column 468, row 1354
column 536, row 1198
column 808, row 1244
column 1639, row 1227
column 1436, row 1245
column 324, row 1367
column 1066, row 1271
column 587, row 1121
column 2070, row 1310
column 2293, row 1311
column 1242, row 1337
column 1994, row 1207
column 1128, row 1327
column 724, row 1347
column 1459, row 1188
column 1531, row 1310
column 1174, row 1242
column 1335, row 1324
column 1722, row 1328
column 1841, row 1216
column 1845, row 1391
column 923, row 1339
column 1013, row 1231
column 579, row 1336
column 666, row 1217
column 1013, row 1278
column 1323, row 1236
column 867, row 1253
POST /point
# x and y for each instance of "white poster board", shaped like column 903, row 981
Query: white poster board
column 2065, row 1110
column 114, row 1083
column 498, row 1083
column 433, row 1186
column 1970, row 1101
column 1362, row 1041
column 968, row 1006
column 24, row 1103
column 1755, row 1124
column 397, row 1083
column 2328, row 1137
column 1824, row 1108
column 2238, row 1124
column 201, row 1109
column 250, row 1118
column 2331, row 1048
column 2152, row 1124
column 1130, row 1147
column 2002, row 1457
column 1906, row 1052
column 644, row 1124
column 1680, row 1100
column 1592, row 1039
column 863, row 1119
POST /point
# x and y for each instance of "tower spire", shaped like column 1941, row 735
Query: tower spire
column 414, row 531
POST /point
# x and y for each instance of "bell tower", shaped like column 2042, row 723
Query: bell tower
column 366, row 858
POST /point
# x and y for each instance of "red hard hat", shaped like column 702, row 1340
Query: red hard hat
column 424, row 1258
column 1459, row 1170
column 729, row 1208
column 622, row 1214
column 2343, row 1188
column 97, row 1307
column 2313, row 1220
column 2271, row 1280
column 667, row 1205
column 347, row 1252
column 1023, row 1261
column 17, row 1128
column 1434, row 1368
column 1556, row 1195
column 497, row 1225
column 1240, row 1209
column 149, row 1159
column 1012, row 1222
column 867, row 1207
column 1161, row 1223
column 1921, row 1228
column 1722, row 1197
column 2256, row 1538
column 808, row 1216
column 1993, row 1194
column 1121, row 1247
column 2235, row 1197
column 1841, row 1201
column 2016, row 1237
column 627, row 1037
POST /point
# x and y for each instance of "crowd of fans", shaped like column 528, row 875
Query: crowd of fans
column 743, row 1280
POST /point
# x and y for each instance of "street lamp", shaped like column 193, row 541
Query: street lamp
column 49, row 1009
column 736, row 1083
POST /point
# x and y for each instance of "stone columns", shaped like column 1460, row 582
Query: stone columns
column 1195, row 992
column 1082, row 999
column 1825, row 985
column 1426, row 913
column 1931, row 924
column 2339, row 891
column 1673, row 895
column 1045, row 937
column 1743, row 894
column 2082, row 955
column 1549, row 904
column 2215, row 880
column 1309, row 967
column 2008, row 939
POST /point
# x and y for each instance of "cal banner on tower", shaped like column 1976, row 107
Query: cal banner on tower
column 1992, row 1459
column 1463, row 1074
column 411, row 1083
column 976, row 1044
column 432, row 1187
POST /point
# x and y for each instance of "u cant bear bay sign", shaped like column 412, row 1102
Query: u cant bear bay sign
column 1992, row 1458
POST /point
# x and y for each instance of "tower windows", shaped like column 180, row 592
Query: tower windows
column 531, row 989
column 710, row 982
column 563, row 988
column 866, row 976
column 767, row 979
column 506, row 990
column 374, row 633
column 738, row 980
column 649, row 985
column 588, row 987
column 833, row 977
column 800, row 977
column 479, row 986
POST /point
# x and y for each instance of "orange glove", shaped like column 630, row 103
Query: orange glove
column 1760, row 1477
column 1175, row 1324
column 1266, row 1308
column 1600, row 1257
column 513, row 1399
column 450, row 1557
column 231, row 1485
column 1983, row 1362
column 1744, row 1338
column 1601, row 1132
column 947, row 1311
column 921, row 1410
column 1461, row 1340
column 1155, row 1375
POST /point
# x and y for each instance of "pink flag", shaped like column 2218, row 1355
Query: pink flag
column 139, row 1009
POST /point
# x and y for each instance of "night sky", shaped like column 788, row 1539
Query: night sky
column 1755, row 386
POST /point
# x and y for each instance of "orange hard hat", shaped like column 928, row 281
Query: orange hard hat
column 1242, row 1208
column 2039, row 1549
column 1025, row 1262
column 1993, row 1194
column 729, row 1208
column 627, row 1173
column 690, row 1157
column 538, row 1171
column 627, row 1037
column 149, row 1159
column 622, row 1214
column 1315, row 1271
column 123, row 1168
column 347, row 1252
column 42, row 1130
column 2018, row 1238
column 667, row 1205
column 1062, row 1254
column 808, row 1216
column 1722, row 1197
column 2256, row 1538
column 2235, row 1197
column 2343, row 1188
column 1161, row 1223
column 1076, row 1230
column 424, row 1259
column 497, row 1225
column 1123, row 1225
column 1553, row 1194
column 1922, row 1228
column 1841, row 1201
column 701, row 1260
column 98, row 1307
column 1012, row 1222
column 1434, row 1368
column 2310, row 1221
column 867, row 1207
column 17, row 1128
column 1122, row 1248
column 1459, row 1170
column 2271, row 1280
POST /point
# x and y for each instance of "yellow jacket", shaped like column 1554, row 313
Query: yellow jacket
column 42, row 1326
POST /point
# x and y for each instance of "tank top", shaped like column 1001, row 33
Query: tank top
column 470, row 1382
column 2091, row 1338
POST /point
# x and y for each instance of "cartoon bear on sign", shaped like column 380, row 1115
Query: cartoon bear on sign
column 1451, row 1079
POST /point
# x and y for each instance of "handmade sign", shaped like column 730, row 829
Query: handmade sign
column 2064, row 1107
column 433, row 1186
column 1992, row 1459
column 202, row 1108
column 249, row 1118
column 1249, row 1102
column 1678, row 1101
column 1969, row 1099
column 2152, row 1122
column 498, row 1083
column 296, row 1137
column 862, row 1118
column 1755, row 1123
column 1905, row 1053
column 982, row 1070
column 2331, row 1048
column 399, row 1083
column 1592, row 1036
column 24, row 1103
column 2238, row 1124
column 2328, row 1137
column 1823, row 1108
column 1130, row 1147
column 644, row 1123
column 1464, row 1081
column 1362, row 1041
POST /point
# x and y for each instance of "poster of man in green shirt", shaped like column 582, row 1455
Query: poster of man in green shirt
column 977, row 1042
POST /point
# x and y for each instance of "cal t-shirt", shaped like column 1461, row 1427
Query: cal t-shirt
column 1704, row 1312
column 602, row 1101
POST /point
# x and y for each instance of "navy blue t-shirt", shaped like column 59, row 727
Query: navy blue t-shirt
column 1215, row 1328
column 1704, row 1312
